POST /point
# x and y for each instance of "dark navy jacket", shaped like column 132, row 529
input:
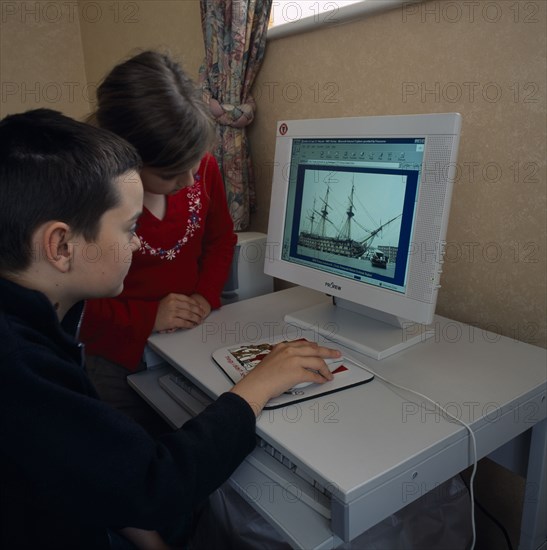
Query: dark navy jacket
column 71, row 466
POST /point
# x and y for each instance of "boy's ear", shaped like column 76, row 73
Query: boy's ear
column 58, row 250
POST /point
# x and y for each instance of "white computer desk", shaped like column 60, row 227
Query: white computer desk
column 372, row 446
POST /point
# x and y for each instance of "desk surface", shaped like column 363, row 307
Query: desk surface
column 363, row 438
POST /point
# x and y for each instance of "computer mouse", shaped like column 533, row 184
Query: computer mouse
column 300, row 386
column 332, row 364
column 330, row 360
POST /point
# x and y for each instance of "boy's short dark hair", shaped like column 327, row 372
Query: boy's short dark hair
column 55, row 168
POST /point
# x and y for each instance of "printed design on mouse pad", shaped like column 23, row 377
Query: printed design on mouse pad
column 237, row 360
column 340, row 369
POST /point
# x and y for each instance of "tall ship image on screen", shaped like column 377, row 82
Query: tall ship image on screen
column 324, row 235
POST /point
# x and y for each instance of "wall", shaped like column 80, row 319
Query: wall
column 123, row 28
column 54, row 53
column 41, row 60
column 486, row 62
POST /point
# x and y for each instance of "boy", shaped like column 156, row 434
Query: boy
column 73, row 470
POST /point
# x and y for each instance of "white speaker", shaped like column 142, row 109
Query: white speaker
column 246, row 278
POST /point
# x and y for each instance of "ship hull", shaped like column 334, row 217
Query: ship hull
column 332, row 245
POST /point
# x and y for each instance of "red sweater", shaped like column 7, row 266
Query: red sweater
column 187, row 252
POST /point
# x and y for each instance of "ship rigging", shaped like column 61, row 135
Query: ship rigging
column 343, row 244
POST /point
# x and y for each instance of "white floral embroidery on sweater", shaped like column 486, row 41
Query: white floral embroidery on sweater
column 192, row 224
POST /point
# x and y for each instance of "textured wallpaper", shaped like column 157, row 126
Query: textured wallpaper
column 125, row 27
column 41, row 58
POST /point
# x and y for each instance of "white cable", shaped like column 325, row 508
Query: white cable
column 473, row 440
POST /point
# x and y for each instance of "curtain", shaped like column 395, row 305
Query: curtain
column 235, row 39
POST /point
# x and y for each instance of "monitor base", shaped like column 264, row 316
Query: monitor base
column 358, row 330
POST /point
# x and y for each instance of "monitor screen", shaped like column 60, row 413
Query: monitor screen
column 359, row 210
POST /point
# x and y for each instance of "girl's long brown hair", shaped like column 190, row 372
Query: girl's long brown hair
column 155, row 106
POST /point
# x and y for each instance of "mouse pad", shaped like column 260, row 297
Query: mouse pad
column 237, row 360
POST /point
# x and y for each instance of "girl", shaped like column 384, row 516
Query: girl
column 186, row 233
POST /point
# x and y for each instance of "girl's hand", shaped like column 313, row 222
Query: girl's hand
column 203, row 303
column 285, row 366
column 177, row 311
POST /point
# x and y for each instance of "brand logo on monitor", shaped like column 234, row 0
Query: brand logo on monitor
column 333, row 285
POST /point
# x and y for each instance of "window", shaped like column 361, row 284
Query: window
column 291, row 17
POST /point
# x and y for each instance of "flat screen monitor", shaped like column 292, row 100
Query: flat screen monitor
column 359, row 210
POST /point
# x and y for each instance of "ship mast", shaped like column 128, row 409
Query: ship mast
column 324, row 214
column 311, row 217
column 346, row 229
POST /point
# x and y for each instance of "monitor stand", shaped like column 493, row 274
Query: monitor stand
column 360, row 328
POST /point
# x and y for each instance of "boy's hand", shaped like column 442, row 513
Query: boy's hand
column 179, row 311
column 285, row 366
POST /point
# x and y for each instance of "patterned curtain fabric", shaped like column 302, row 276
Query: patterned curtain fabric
column 235, row 39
